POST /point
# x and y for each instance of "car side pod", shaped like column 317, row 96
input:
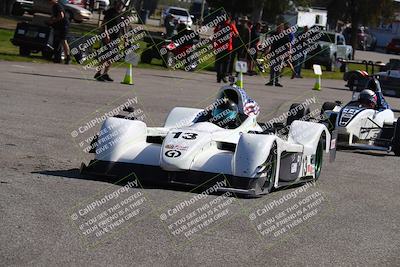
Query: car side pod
column 308, row 134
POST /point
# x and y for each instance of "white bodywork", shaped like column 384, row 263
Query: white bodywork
column 361, row 126
column 196, row 146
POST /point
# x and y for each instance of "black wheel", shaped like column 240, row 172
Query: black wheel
column 319, row 157
column 192, row 65
column 23, row 51
column 47, row 54
column 344, row 68
column 331, row 65
column 170, row 60
column 308, row 65
column 396, row 139
column 327, row 106
column 267, row 175
column 297, row 112
column 146, row 56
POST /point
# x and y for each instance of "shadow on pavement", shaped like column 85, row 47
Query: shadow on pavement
column 53, row 76
column 367, row 152
column 75, row 174
column 337, row 88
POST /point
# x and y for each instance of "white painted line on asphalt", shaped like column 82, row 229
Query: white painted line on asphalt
column 20, row 66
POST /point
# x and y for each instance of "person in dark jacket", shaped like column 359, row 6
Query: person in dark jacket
column 279, row 47
column 112, row 17
column 254, row 40
column 60, row 24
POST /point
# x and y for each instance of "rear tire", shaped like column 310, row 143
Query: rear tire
column 308, row 65
column 297, row 112
column 23, row 51
column 170, row 60
column 344, row 68
column 147, row 56
column 331, row 65
column 396, row 139
column 47, row 54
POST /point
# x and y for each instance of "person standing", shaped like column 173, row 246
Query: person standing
column 254, row 39
column 279, row 48
column 244, row 38
column 112, row 17
column 169, row 26
column 301, row 52
column 223, row 46
column 60, row 24
column 236, row 43
column 289, row 59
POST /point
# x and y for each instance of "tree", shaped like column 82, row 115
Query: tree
column 357, row 12
column 266, row 9
column 6, row 7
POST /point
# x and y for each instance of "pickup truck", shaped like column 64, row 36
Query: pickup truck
column 330, row 47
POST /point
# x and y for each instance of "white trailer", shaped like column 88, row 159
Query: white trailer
column 307, row 17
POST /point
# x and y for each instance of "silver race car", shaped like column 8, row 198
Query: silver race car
column 222, row 141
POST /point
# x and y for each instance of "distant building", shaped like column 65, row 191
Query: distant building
column 307, row 17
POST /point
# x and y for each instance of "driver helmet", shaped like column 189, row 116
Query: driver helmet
column 225, row 114
column 368, row 98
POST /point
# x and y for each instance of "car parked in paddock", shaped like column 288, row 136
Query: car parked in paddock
column 366, row 122
column 223, row 141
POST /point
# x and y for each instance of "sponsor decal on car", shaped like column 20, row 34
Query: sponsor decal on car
column 176, row 147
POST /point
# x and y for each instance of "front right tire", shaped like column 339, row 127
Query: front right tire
column 266, row 181
column 319, row 157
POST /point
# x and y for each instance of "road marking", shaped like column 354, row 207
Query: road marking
column 20, row 66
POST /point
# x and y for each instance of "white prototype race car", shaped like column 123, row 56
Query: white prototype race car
column 367, row 122
column 223, row 141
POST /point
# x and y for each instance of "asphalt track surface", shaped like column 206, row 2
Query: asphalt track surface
column 355, row 223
